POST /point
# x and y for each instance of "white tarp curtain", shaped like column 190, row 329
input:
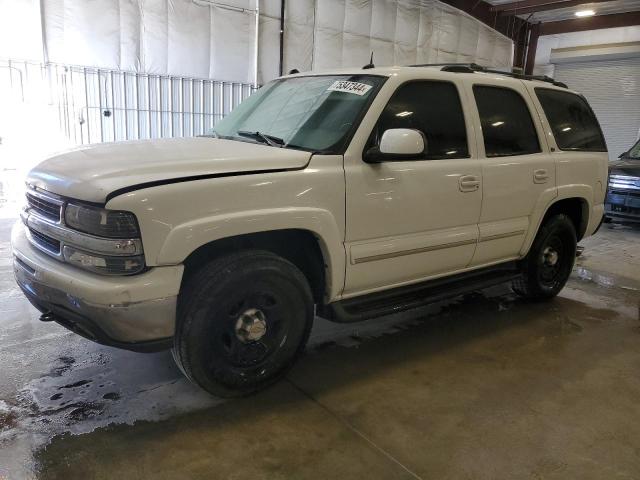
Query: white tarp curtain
column 217, row 38
column 322, row 34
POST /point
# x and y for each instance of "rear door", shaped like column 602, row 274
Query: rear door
column 517, row 169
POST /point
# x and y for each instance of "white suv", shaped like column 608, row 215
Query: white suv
column 349, row 194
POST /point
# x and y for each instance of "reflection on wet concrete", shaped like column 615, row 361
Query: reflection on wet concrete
column 485, row 386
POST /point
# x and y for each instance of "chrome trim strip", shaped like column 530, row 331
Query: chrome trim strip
column 624, row 182
column 49, row 197
column 402, row 253
column 499, row 236
column 83, row 241
column 46, row 197
column 42, row 248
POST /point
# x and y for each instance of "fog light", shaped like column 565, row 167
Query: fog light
column 103, row 264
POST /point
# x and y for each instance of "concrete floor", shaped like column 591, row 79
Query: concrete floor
column 487, row 386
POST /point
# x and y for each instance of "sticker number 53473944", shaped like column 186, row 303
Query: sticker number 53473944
column 349, row 87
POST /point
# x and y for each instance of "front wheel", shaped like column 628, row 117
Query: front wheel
column 242, row 321
column 547, row 267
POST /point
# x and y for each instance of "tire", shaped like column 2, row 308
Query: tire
column 548, row 265
column 242, row 321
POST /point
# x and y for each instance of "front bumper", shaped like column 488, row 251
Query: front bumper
column 135, row 312
column 623, row 205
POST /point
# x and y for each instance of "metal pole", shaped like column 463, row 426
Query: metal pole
column 126, row 105
column 86, row 101
column 282, row 7
column 255, row 73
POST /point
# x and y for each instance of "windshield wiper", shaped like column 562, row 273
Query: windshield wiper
column 268, row 139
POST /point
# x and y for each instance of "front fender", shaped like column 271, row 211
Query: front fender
column 189, row 236
column 178, row 218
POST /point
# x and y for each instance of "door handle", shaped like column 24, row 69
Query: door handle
column 540, row 176
column 469, row 183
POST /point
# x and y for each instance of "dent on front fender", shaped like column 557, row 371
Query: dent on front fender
column 186, row 238
column 177, row 219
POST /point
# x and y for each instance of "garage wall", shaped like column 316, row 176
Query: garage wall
column 207, row 39
column 543, row 65
column 613, row 90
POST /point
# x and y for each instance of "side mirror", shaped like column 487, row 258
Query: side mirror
column 398, row 144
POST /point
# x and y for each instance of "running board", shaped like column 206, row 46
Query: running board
column 414, row 296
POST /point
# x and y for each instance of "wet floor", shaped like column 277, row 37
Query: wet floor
column 486, row 386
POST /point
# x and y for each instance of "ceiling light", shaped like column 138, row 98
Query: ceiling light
column 403, row 114
column 497, row 124
column 585, row 13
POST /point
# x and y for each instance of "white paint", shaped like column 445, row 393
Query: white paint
column 402, row 141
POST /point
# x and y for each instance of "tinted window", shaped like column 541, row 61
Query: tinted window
column 572, row 121
column 433, row 108
column 634, row 152
column 506, row 122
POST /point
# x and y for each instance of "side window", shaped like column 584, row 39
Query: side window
column 572, row 121
column 432, row 107
column 506, row 122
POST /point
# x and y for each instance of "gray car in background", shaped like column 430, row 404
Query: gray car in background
column 623, row 194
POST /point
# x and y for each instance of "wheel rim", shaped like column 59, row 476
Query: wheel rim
column 552, row 262
column 253, row 332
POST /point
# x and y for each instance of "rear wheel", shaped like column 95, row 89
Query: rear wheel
column 548, row 265
column 242, row 321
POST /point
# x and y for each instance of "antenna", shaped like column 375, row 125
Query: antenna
column 370, row 64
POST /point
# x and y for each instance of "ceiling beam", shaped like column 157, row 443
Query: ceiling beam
column 596, row 22
column 523, row 4
column 517, row 8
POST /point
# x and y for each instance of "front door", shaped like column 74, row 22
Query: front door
column 412, row 220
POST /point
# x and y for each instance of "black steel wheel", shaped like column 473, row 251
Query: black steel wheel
column 242, row 321
column 548, row 265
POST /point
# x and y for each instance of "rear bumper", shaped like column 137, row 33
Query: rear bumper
column 136, row 313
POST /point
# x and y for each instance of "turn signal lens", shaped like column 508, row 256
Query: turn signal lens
column 103, row 264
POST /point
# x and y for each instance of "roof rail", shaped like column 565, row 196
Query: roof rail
column 474, row 67
column 452, row 67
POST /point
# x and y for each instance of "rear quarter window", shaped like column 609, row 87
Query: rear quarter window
column 572, row 121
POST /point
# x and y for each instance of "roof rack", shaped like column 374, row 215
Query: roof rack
column 474, row 67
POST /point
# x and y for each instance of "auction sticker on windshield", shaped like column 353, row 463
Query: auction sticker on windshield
column 349, row 87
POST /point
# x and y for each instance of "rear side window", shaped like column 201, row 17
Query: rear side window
column 433, row 108
column 573, row 123
column 506, row 122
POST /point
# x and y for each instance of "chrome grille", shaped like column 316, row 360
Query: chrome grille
column 44, row 241
column 48, row 208
column 624, row 182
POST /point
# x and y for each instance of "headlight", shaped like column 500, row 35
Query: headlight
column 114, row 247
column 105, row 265
column 101, row 222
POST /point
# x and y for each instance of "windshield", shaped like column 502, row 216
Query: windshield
column 634, row 152
column 316, row 113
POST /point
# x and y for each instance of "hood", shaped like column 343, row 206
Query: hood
column 625, row 166
column 91, row 173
